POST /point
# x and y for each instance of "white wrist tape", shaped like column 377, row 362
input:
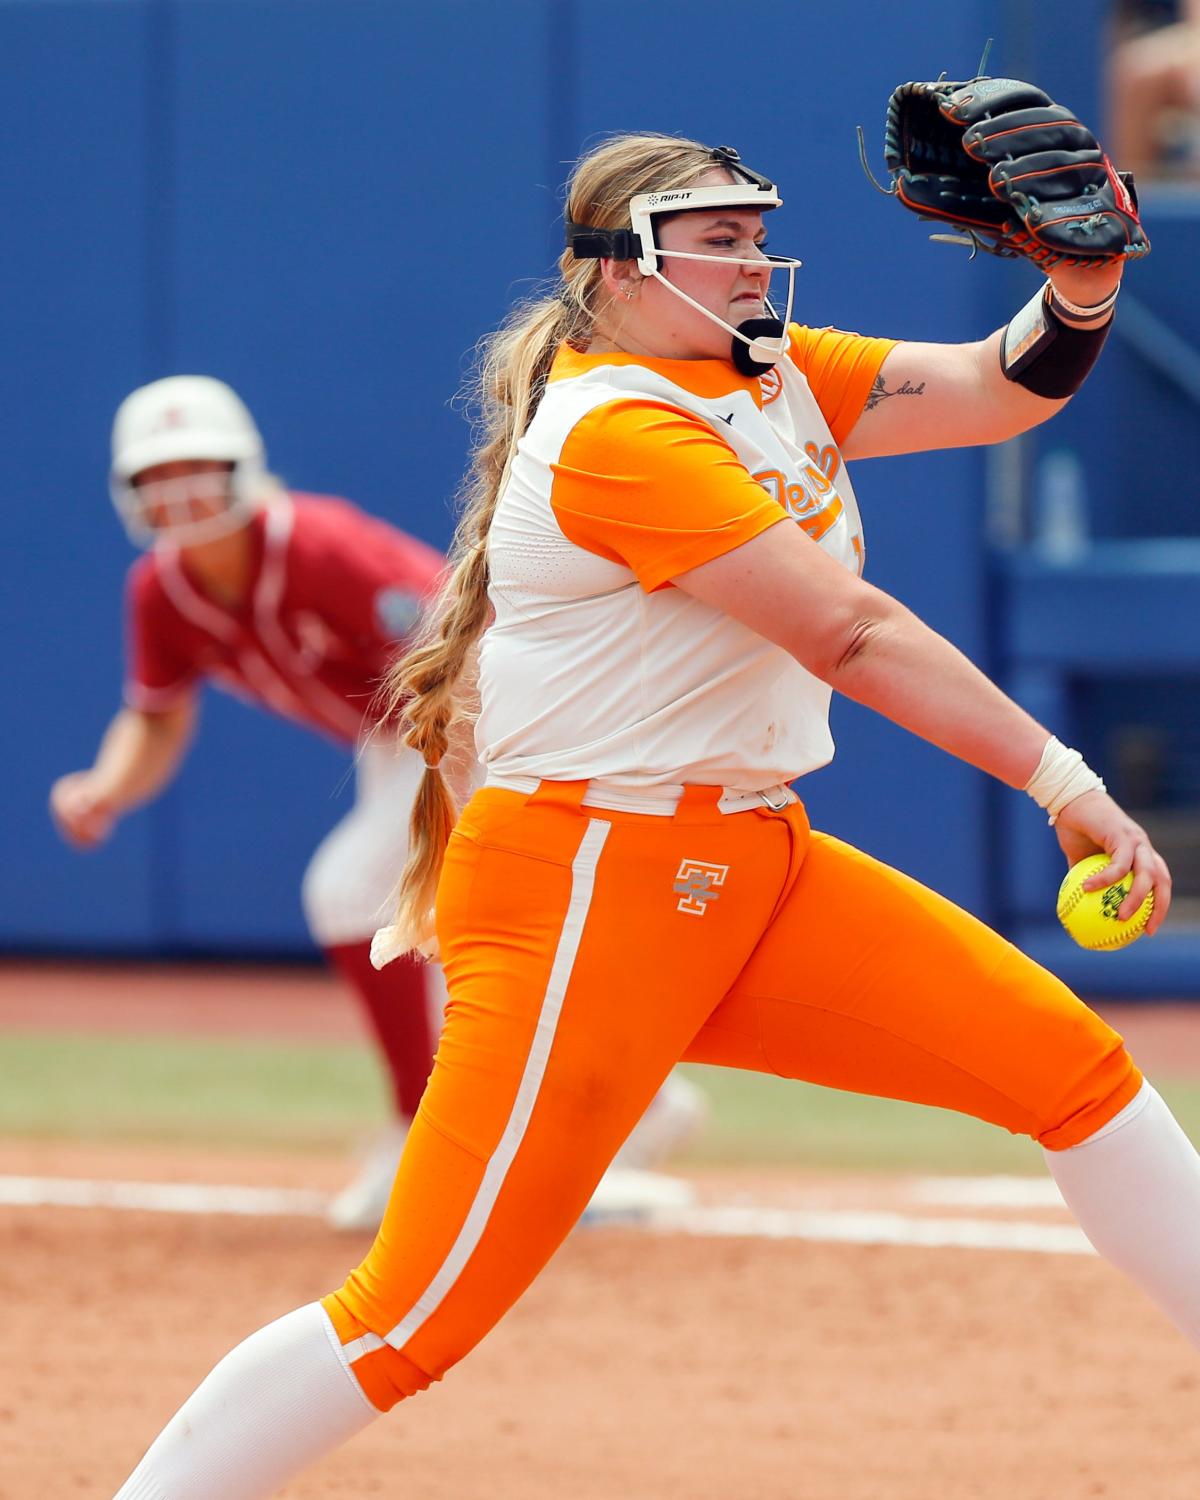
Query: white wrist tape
column 1061, row 776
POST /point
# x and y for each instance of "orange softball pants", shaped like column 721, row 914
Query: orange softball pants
column 586, row 953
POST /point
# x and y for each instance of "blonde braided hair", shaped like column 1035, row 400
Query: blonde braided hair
column 429, row 687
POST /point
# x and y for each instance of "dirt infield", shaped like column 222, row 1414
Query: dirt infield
column 640, row 1366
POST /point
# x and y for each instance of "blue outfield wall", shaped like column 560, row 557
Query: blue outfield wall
column 326, row 202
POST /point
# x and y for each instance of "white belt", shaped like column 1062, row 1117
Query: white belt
column 659, row 800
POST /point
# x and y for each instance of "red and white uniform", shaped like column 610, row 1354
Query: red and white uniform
column 331, row 593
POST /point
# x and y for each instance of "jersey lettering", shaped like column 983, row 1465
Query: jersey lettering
column 827, row 459
column 813, row 503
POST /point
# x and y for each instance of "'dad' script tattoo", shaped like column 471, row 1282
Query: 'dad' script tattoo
column 880, row 392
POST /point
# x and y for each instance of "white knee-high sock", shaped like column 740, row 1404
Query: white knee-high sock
column 274, row 1404
column 1134, row 1186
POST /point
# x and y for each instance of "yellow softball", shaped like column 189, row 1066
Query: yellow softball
column 1091, row 916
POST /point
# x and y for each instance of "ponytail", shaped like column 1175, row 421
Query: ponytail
column 430, row 688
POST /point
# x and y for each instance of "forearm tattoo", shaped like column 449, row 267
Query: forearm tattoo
column 880, row 392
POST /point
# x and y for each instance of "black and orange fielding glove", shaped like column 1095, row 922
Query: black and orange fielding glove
column 1011, row 171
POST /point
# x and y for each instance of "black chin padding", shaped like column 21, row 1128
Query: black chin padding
column 755, row 328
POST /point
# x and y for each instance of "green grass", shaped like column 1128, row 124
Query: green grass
column 187, row 1090
column 769, row 1120
column 241, row 1093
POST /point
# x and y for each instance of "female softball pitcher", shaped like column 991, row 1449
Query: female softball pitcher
column 295, row 603
column 660, row 563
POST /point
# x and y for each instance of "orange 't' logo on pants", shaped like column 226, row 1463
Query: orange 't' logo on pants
column 696, row 884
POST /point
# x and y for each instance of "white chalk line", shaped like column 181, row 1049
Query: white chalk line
column 821, row 1226
column 856, row 1227
column 159, row 1197
column 988, row 1192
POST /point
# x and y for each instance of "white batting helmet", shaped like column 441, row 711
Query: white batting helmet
column 180, row 418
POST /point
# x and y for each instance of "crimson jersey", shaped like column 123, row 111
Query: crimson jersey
column 332, row 591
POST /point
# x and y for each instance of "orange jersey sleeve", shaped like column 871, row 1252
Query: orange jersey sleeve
column 840, row 369
column 655, row 488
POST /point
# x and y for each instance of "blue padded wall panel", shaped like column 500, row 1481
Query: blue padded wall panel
column 359, row 217
column 326, row 202
column 75, row 115
column 346, row 223
column 1141, row 476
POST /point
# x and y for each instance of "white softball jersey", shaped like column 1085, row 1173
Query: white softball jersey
column 633, row 471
